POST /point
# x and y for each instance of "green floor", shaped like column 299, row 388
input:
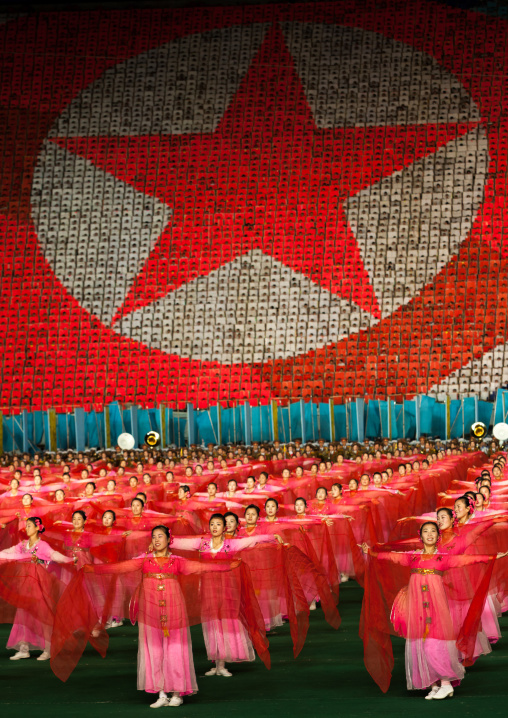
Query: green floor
column 327, row 679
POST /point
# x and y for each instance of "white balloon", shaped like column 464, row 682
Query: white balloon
column 500, row 431
column 126, row 441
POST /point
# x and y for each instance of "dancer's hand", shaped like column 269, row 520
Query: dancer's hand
column 279, row 539
column 365, row 548
column 126, row 533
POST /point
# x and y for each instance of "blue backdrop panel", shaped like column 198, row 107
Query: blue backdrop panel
column 206, row 427
column 65, row 432
column 485, row 411
column 410, row 419
column 94, row 428
column 372, row 420
column 232, row 425
column 9, row 443
column 426, row 414
column 439, row 420
column 296, row 421
column 397, row 420
column 115, row 422
column 283, row 419
column 261, row 423
column 324, row 422
column 311, row 422
column 339, row 413
column 501, row 414
column 179, row 425
column 170, row 427
column 455, row 418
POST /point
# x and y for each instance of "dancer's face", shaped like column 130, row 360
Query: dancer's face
column 299, row 507
column 460, row 509
column 216, row 527
column 429, row 535
column 271, row 508
column 321, row 494
column 251, row 517
column 107, row 519
column 31, row 529
column 78, row 522
column 443, row 520
column 231, row 524
column 159, row 540
column 136, row 508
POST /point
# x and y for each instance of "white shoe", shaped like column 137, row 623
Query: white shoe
column 432, row 693
column 175, row 701
column 19, row 655
column 224, row 672
column 344, row 577
column 212, row 672
column 160, row 702
column 45, row 656
column 115, row 624
column 312, row 606
column 443, row 692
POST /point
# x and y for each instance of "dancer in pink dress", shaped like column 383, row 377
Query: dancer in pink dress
column 226, row 640
column 421, row 613
column 166, row 666
column 153, row 584
column 28, row 631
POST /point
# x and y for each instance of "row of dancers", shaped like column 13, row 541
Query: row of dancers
column 243, row 558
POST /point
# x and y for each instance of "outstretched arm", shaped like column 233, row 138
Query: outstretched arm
column 401, row 557
column 241, row 543
column 189, row 543
column 58, row 557
column 10, row 554
column 188, row 566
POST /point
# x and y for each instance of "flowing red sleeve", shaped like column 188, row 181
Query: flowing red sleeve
column 30, row 586
column 286, row 581
column 9, row 536
column 382, row 584
column 88, row 601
